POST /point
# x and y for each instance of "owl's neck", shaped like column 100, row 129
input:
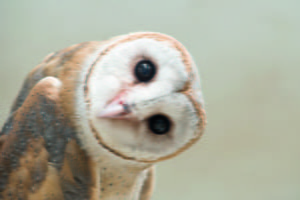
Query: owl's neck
column 110, row 178
column 121, row 182
column 119, row 178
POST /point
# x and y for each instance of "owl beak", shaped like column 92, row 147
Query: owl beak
column 116, row 111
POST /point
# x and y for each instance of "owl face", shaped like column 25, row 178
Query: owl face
column 142, row 97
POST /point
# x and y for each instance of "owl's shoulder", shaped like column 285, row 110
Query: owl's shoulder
column 39, row 153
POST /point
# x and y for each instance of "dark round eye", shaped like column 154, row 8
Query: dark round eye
column 159, row 124
column 144, row 71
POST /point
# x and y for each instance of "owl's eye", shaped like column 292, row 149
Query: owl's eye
column 159, row 124
column 144, row 70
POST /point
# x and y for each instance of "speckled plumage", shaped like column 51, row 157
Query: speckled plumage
column 53, row 148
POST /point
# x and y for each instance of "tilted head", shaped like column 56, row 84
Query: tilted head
column 142, row 97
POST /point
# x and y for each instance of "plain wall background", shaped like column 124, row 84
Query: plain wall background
column 248, row 56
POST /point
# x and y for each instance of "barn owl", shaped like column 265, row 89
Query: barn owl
column 92, row 120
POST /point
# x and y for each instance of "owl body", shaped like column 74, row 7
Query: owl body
column 91, row 120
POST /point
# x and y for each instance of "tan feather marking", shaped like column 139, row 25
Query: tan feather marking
column 77, row 163
column 50, row 187
column 65, row 172
column 94, row 191
column 22, row 180
column 39, row 168
column 148, row 186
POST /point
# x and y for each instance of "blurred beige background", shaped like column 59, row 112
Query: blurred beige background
column 248, row 56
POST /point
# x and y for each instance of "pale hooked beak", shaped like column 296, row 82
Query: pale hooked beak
column 117, row 109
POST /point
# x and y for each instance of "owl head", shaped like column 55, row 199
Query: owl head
column 140, row 98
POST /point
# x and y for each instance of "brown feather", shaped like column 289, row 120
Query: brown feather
column 148, row 185
column 29, row 167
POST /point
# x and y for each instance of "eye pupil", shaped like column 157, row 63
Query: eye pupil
column 159, row 124
column 145, row 71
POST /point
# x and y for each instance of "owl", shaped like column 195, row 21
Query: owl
column 92, row 120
